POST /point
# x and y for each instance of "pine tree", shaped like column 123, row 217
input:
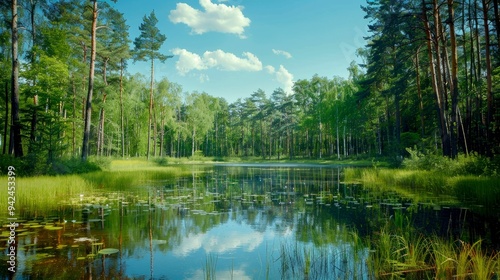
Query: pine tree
column 146, row 48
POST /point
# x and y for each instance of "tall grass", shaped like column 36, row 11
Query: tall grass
column 413, row 180
column 41, row 195
column 44, row 193
column 468, row 189
column 210, row 269
column 482, row 190
column 411, row 256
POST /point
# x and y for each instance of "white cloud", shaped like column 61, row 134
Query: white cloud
column 230, row 62
column 270, row 69
column 188, row 61
column 283, row 53
column 215, row 17
column 285, row 78
column 221, row 240
column 215, row 59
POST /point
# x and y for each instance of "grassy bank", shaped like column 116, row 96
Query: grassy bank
column 398, row 254
column 467, row 188
column 41, row 195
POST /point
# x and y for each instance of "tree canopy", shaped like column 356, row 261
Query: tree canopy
column 429, row 80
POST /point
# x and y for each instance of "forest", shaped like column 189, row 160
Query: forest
column 429, row 81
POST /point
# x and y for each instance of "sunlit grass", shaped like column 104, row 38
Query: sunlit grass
column 42, row 193
column 419, row 257
column 132, row 164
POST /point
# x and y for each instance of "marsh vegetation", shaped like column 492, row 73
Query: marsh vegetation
column 259, row 221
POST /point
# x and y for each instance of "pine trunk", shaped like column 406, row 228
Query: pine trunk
column 16, row 123
column 88, row 107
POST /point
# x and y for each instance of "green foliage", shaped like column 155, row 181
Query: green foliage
column 74, row 166
column 36, row 164
column 463, row 165
column 149, row 41
column 477, row 190
column 412, row 256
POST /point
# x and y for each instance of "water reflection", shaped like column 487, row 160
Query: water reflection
column 227, row 222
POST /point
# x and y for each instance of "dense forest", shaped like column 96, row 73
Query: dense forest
column 429, row 80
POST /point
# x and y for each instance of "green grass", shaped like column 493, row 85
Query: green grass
column 470, row 189
column 41, row 194
column 411, row 256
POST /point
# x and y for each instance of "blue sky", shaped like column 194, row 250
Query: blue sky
column 231, row 48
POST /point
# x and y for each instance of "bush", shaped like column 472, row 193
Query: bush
column 34, row 165
column 462, row 165
column 73, row 166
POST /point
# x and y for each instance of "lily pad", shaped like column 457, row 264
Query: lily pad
column 108, row 251
column 53, row 228
column 36, row 226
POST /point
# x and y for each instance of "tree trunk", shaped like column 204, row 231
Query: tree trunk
column 435, row 75
column 454, row 80
column 122, row 130
column 489, row 93
column 497, row 21
column 73, row 135
column 193, row 144
column 162, row 132
column 16, row 123
column 150, row 107
column 155, row 131
column 419, row 92
column 100, row 138
column 33, row 58
column 88, row 107
column 6, row 121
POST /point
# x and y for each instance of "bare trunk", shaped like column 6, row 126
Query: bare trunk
column 16, row 123
column 122, row 130
column 419, row 92
column 162, row 133
column 489, row 93
column 6, row 121
column 73, row 135
column 497, row 21
column 435, row 75
column 88, row 107
column 193, row 144
column 454, row 80
column 150, row 107
column 100, row 138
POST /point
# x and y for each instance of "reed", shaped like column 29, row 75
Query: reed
column 417, row 257
column 477, row 190
column 210, row 269
column 39, row 195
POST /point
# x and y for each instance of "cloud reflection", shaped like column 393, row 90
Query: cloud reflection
column 221, row 239
column 225, row 274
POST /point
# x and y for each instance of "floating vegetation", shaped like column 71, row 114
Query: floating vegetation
column 85, row 239
column 316, row 226
column 108, row 251
column 53, row 228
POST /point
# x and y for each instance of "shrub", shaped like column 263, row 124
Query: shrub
column 472, row 164
column 73, row 166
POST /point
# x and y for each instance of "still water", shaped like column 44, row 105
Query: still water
column 228, row 222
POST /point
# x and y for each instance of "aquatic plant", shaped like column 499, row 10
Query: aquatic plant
column 416, row 257
column 210, row 269
column 39, row 195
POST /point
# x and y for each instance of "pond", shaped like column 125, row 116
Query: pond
column 239, row 221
